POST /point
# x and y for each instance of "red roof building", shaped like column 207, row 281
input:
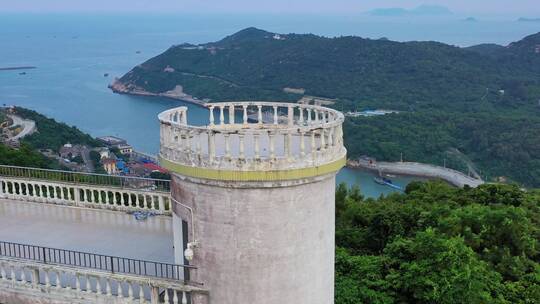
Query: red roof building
column 154, row 167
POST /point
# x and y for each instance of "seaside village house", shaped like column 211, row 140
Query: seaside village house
column 104, row 153
column 116, row 142
column 109, row 164
column 125, row 149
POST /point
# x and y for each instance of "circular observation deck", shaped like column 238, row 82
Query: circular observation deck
column 254, row 141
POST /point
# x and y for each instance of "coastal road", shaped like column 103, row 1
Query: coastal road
column 88, row 163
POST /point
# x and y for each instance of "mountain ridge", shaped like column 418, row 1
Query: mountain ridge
column 263, row 63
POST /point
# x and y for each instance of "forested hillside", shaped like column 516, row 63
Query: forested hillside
column 52, row 134
column 438, row 244
column 483, row 101
column 25, row 156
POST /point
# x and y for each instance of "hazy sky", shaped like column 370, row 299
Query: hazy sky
column 499, row 7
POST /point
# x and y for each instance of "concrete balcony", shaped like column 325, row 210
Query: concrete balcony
column 269, row 137
column 72, row 224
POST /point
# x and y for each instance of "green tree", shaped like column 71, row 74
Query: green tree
column 361, row 279
column 431, row 268
column 439, row 244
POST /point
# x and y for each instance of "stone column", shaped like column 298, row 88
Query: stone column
column 221, row 115
column 259, row 115
column 245, row 116
column 211, row 146
column 211, row 119
column 231, row 114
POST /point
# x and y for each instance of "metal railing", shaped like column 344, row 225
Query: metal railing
column 86, row 178
column 101, row 262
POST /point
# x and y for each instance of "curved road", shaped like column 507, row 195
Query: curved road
column 29, row 126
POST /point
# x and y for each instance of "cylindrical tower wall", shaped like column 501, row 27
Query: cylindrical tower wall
column 259, row 244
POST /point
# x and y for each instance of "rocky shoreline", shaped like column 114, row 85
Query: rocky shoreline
column 177, row 93
column 451, row 176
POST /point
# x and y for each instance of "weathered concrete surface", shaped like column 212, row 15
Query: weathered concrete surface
column 89, row 230
column 19, row 294
column 262, row 243
column 52, row 284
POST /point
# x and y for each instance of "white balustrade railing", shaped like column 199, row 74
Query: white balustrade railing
column 254, row 136
column 101, row 197
column 52, row 282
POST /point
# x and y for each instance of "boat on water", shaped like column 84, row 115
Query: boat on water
column 387, row 182
column 379, row 180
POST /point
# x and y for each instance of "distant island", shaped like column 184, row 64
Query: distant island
column 423, row 10
column 475, row 107
column 470, row 19
column 529, row 19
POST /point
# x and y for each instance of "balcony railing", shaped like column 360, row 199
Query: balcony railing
column 112, row 264
column 269, row 136
column 81, row 195
column 128, row 182
column 34, row 281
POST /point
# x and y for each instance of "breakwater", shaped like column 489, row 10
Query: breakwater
column 451, row 176
column 17, row 68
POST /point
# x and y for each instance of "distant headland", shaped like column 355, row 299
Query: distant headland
column 528, row 19
column 423, row 10
column 427, row 82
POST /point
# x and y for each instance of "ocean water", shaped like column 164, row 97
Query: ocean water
column 73, row 52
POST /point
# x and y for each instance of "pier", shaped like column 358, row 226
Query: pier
column 451, row 176
column 17, row 68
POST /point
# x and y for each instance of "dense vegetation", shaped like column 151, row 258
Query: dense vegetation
column 482, row 101
column 438, row 244
column 498, row 145
column 362, row 71
column 25, row 156
column 52, row 134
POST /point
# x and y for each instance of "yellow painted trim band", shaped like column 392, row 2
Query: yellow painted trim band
column 230, row 175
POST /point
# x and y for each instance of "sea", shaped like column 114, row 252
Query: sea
column 78, row 55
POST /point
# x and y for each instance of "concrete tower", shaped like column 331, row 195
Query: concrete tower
column 254, row 190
